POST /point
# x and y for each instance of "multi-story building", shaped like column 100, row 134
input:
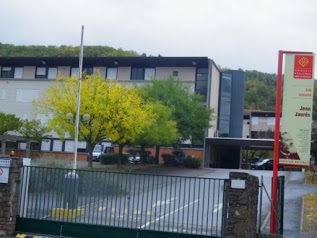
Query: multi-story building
column 258, row 124
column 23, row 79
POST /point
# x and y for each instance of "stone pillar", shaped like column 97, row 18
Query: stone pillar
column 9, row 199
column 242, row 205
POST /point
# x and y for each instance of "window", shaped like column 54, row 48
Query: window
column 271, row 121
column 142, row 73
column 112, row 73
column 41, row 73
column 254, row 120
column 149, row 73
column 74, row 72
column 88, row 71
column 175, row 73
column 7, row 72
column 52, row 73
column 137, row 74
column 18, row 73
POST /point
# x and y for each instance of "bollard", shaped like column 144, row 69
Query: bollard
column 71, row 182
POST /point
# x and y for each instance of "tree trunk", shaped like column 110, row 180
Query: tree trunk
column 90, row 150
column 120, row 155
column 142, row 154
column 157, row 154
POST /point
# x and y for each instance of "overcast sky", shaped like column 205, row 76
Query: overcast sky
column 236, row 34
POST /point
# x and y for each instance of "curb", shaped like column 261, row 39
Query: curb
column 27, row 236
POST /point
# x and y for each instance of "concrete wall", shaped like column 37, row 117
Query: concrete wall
column 184, row 73
column 214, row 98
column 29, row 72
column 124, row 73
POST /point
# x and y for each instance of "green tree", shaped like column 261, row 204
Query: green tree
column 162, row 132
column 260, row 90
column 191, row 116
column 33, row 130
column 9, row 122
column 115, row 112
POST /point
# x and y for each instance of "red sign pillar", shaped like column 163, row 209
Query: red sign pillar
column 273, row 225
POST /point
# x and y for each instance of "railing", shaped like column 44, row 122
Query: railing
column 138, row 201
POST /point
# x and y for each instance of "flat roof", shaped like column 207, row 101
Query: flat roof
column 141, row 61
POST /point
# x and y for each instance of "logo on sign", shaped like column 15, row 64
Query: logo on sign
column 303, row 67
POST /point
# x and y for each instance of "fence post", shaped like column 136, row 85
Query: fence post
column 242, row 205
column 9, row 191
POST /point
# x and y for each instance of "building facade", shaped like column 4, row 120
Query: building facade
column 24, row 79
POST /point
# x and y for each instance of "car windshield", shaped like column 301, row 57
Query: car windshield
column 97, row 148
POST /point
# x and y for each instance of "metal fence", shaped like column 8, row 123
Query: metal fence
column 177, row 204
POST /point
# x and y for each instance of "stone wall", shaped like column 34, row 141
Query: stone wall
column 242, row 205
column 9, row 199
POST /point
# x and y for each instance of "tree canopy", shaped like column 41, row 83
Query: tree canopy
column 260, row 91
column 115, row 111
column 63, row 50
column 191, row 116
column 9, row 122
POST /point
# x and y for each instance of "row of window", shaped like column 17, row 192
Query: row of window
column 51, row 73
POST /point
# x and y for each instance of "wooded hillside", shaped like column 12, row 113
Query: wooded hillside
column 63, row 50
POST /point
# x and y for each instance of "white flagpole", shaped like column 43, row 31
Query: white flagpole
column 78, row 97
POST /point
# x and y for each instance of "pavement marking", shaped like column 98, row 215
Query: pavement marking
column 218, row 207
column 161, row 217
column 136, row 212
column 164, row 202
column 113, row 210
column 101, row 209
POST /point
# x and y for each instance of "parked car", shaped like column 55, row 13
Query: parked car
column 99, row 150
column 134, row 159
column 177, row 158
column 264, row 164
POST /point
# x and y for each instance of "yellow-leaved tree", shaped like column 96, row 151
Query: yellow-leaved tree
column 115, row 112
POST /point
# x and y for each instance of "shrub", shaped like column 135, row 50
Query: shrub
column 193, row 163
column 51, row 162
column 112, row 158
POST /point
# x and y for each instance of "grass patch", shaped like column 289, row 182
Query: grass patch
column 52, row 163
column 310, row 214
column 309, row 176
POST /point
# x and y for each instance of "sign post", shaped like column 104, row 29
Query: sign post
column 292, row 143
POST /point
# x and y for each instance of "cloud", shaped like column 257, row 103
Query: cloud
column 238, row 34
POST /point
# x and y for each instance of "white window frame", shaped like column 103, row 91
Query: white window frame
column 52, row 73
column 149, row 73
column 112, row 73
column 18, row 72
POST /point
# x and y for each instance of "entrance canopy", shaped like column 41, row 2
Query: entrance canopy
column 244, row 143
column 221, row 152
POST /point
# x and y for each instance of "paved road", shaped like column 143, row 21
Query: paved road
column 175, row 203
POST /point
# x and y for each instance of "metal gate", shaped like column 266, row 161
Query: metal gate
column 83, row 203
column 279, row 212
